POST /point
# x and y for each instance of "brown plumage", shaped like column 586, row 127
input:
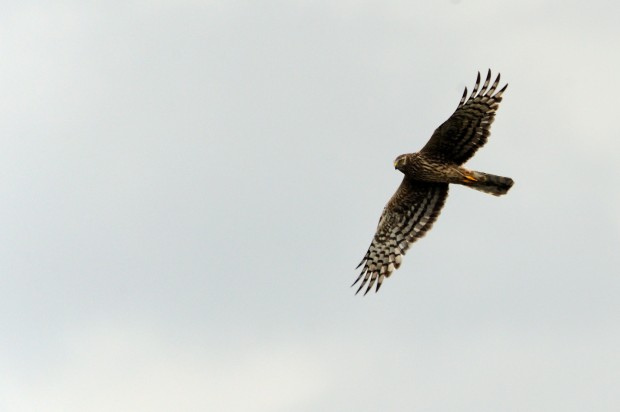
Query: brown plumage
column 415, row 206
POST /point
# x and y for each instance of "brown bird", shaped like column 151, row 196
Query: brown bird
column 415, row 206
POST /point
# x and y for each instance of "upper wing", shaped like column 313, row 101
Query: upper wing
column 458, row 138
column 411, row 212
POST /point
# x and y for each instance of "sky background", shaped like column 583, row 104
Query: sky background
column 187, row 186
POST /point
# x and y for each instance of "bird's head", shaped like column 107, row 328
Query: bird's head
column 400, row 162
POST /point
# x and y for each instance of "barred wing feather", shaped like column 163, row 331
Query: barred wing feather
column 409, row 214
column 469, row 127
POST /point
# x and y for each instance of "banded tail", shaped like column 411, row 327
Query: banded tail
column 488, row 183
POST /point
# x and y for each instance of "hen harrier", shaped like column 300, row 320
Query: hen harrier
column 415, row 206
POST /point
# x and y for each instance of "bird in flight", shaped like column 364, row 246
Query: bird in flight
column 415, row 206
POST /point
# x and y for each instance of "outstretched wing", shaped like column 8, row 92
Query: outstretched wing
column 468, row 129
column 409, row 214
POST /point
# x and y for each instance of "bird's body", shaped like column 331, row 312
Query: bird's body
column 417, row 202
column 424, row 168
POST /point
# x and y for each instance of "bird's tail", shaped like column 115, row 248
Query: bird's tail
column 487, row 183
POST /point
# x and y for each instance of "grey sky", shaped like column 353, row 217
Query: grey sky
column 188, row 185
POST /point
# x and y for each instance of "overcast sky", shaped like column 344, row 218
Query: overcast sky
column 186, row 187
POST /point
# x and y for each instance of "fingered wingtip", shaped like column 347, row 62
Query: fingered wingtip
column 368, row 281
column 356, row 280
column 484, row 89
